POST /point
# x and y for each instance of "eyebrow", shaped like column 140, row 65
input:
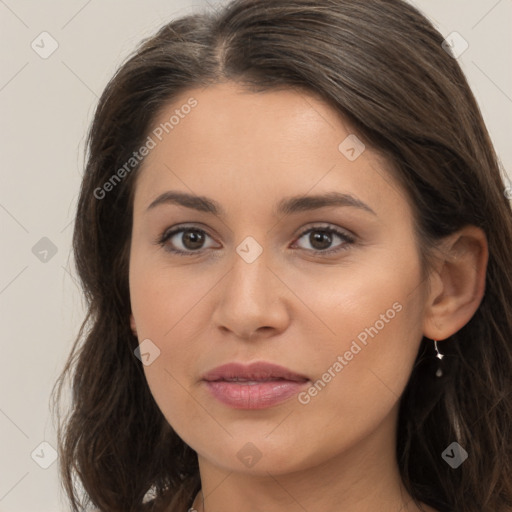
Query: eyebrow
column 286, row 206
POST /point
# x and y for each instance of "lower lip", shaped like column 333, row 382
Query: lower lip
column 241, row 395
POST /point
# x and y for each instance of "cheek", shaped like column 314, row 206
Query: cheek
column 358, row 385
column 360, row 340
column 166, row 301
column 378, row 299
column 368, row 328
column 166, row 304
column 167, row 308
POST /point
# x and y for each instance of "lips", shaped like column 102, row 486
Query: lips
column 255, row 372
column 254, row 386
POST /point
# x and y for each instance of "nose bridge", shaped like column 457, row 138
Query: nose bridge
column 250, row 275
column 249, row 293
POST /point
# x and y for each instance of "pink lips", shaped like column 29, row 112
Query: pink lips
column 254, row 386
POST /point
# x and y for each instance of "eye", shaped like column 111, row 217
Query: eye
column 191, row 240
column 321, row 237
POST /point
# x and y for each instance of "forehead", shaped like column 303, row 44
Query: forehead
column 237, row 144
column 226, row 114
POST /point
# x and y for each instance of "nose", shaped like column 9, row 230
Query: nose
column 252, row 300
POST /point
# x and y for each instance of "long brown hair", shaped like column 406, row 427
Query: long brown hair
column 381, row 64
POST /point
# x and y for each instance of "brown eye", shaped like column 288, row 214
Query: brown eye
column 192, row 239
column 321, row 239
column 187, row 241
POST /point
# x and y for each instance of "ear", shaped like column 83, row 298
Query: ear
column 457, row 284
column 133, row 325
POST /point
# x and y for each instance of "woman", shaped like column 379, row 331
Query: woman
column 294, row 242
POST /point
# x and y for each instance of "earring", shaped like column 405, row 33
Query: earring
column 439, row 372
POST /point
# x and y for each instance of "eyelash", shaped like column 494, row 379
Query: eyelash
column 348, row 240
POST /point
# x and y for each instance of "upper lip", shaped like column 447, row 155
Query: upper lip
column 259, row 371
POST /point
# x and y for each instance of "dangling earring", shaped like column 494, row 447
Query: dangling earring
column 439, row 372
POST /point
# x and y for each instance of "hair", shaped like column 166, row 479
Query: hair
column 381, row 65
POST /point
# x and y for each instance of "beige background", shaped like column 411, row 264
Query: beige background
column 46, row 106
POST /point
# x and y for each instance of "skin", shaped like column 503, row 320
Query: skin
column 291, row 306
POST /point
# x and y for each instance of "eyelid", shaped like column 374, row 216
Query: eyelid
column 327, row 227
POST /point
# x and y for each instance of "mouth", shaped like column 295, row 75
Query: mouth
column 255, row 386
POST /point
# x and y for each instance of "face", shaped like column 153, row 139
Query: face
column 329, row 289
